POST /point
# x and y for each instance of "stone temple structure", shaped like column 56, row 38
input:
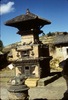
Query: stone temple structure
column 31, row 57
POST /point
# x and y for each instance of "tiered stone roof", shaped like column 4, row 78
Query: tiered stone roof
column 27, row 21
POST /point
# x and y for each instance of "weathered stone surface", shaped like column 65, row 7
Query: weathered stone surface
column 31, row 82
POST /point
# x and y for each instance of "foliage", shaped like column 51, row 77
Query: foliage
column 43, row 34
column 1, row 45
column 65, row 33
column 54, row 64
column 50, row 34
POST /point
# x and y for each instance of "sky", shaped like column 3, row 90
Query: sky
column 55, row 11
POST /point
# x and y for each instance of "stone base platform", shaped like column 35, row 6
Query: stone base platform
column 31, row 82
column 47, row 80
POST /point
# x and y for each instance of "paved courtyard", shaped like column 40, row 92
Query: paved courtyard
column 52, row 91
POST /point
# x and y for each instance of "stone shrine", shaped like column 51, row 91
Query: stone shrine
column 31, row 57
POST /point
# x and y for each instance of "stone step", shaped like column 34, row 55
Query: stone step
column 31, row 82
column 47, row 80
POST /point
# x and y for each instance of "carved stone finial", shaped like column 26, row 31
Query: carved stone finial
column 27, row 11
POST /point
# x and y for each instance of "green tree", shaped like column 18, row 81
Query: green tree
column 1, row 45
column 49, row 34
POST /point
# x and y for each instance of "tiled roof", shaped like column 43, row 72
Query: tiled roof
column 61, row 39
column 28, row 18
column 57, row 39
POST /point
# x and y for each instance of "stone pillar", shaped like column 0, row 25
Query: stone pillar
column 18, row 71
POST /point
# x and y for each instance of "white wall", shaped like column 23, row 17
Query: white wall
column 61, row 53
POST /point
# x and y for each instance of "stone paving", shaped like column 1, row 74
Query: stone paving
column 52, row 91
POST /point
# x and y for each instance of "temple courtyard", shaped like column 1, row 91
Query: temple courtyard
column 52, row 88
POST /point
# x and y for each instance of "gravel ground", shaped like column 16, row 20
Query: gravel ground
column 52, row 91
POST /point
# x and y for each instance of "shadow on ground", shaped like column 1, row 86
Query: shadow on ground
column 53, row 76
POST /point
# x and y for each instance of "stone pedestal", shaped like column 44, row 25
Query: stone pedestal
column 18, row 92
column 18, row 96
column 17, row 89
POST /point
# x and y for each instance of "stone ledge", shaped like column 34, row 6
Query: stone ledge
column 47, row 80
